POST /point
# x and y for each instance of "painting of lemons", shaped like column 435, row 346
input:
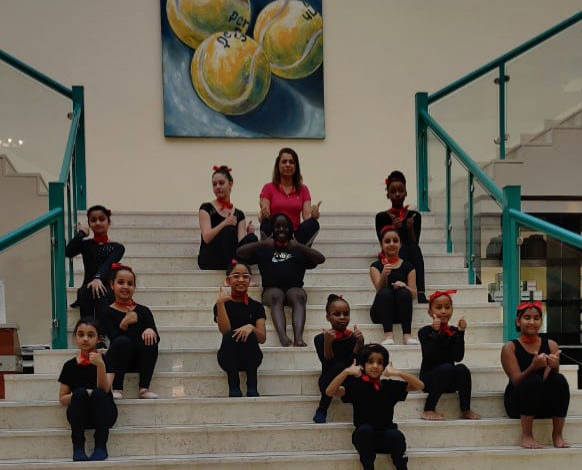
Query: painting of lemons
column 243, row 68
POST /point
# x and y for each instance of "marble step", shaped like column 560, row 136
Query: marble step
column 169, row 263
column 317, row 277
column 275, row 358
column 361, row 247
column 326, row 232
column 47, row 443
column 177, row 337
column 206, row 296
column 190, row 219
column 265, row 409
column 359, row 314
column 458, row 458
column 26, row 387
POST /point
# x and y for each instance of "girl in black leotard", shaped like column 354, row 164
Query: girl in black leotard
column 536, row 389
column 395, row 283
column 98, row 255
column 222, row 226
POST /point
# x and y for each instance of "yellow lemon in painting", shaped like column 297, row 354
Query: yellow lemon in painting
column 194, row 20
column 231, row 73
column 291, row 34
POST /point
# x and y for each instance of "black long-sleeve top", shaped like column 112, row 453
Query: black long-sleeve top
column 440, row 348
column 97, row 258
column 384, row 218
column 112, row 318
column 343, row 352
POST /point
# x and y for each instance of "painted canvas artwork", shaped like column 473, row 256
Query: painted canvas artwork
column 243, row 68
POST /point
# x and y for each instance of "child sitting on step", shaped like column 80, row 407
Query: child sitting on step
column 133, row 334
column 373, row 401
column 407, row 223
column 99, row 253
column 86, row 392
column 443, row 346
column 241, row 321
column 395, row 283
column 336, row 348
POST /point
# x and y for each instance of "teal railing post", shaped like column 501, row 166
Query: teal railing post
column 421, row 104
column 79, row 168
column 510, row 234
column 58, row 272
column 470, row 245
column 501, row 80
column 448, row 165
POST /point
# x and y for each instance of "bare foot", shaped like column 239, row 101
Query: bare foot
column 285, row 341
column 559, row 442
column 528, row 442
column 432, row 416
column 470, row 414
column 299, row 343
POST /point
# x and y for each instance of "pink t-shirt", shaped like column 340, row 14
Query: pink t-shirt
column 289, row 204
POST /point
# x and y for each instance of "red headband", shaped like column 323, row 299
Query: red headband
column 522, row 307
column 233, row 261
column 387, row 228
column 120, row 266
column 221, row 167
column 438, row 293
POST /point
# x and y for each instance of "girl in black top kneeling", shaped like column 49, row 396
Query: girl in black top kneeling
column 241, row 320
column 133, row 334
column 282, row 262
column 373, row 400
column 86, row 392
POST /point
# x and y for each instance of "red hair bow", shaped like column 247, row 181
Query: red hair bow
column 220, row 167
column 529, row 304
column 375, row 382
column 120, row 266
column 387, row 228
column 438, row 293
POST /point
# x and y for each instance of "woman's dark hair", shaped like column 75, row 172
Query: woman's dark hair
column 117, row 267
column 223, row 170
column 331, row 298
column 101, row 208
column 288, row 220
column 395, row 176
column 371, row 348
column 297, row 178
column 234, row 263
column 86, row 321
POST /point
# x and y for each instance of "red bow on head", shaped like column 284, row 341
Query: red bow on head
column 387, row 260
column 343, row 334
column 385, row 229
column 100, row 238
column 400, row 214
column 83, row 359
column 244, row 297
column 120, row 266
column 375, row 382
column 438, row 293
column 221, row 167
column 224, row 204
column 529, row 304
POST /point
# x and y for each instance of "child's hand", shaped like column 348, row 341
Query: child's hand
column 410, row 221
column 149, row 337
column 540, row 361
column 391, row 371
column 83, row 228
column 97, row 288
column 130, row 318
column 387, row 269
column 399, row 285
column 462, row 325
column 358, row 335
column 436, row 323
column 250, row 227
column 315, row 210
column 241, row 334
column 224, row 295
column 96, row 359
column 328, row 336
column 230, row 219
column 553, row 360
column 354, row 370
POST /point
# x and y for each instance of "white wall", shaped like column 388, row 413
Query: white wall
column 378, row 53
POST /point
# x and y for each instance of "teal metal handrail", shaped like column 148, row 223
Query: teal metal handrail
column 508, row 198
column 67, row 195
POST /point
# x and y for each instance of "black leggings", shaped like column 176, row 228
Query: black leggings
column 369, row 441
column 90, row 307
column 132, row 355
column 218, row 254
column 277, row 298
column 97, row 411
column 393, row 306
column 413, row 255
column 235, row 356
column 325, row 379
column 537, row 397
column 305, row 234
column 448, row 378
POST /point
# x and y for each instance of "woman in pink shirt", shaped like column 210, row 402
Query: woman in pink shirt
column 287, row 194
